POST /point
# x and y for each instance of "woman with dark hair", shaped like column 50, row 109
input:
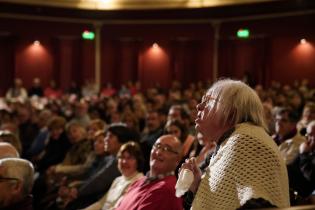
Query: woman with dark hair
column 57, row 146
column 180, row 130
column 130, row 164
column 176, row 128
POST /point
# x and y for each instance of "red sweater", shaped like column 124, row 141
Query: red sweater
column 159, row 194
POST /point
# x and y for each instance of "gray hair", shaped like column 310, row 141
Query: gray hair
column 20, row 169
column 237, row 102
column 7, row 150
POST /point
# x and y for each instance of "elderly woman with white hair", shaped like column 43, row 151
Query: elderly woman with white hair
column 246, row 169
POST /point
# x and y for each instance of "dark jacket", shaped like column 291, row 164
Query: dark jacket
column 25, row 204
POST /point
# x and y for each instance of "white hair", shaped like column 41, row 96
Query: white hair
column 237, row 103
column 20, row 169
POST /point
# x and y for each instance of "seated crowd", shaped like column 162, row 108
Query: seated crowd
column 121, row 149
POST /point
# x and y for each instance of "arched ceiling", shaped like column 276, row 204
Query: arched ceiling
column 134, row 4
column 151, row 9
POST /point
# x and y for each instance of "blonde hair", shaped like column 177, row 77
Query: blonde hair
column 76, row 125
column 237, row 102
column 100, row 124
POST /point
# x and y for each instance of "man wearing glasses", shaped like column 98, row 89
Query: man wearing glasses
column 16, row 181
column 157, row 189
column 286, row 134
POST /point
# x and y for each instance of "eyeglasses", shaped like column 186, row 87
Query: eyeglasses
column 3, row 179
column 164, row 148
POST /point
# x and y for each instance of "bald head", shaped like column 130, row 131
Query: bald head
column 8, row 151
column 165, row 155
column 21, row 173
column 172, row 141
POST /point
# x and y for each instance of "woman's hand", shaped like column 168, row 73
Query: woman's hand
column 192, row 165
column 306, row 147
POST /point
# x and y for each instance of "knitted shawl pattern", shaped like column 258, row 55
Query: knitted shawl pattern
column 247, row 165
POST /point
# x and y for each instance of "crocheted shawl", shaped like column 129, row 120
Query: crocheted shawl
column 247, row 165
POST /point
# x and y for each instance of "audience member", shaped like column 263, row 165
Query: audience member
column 74, row 89
column 108, row 90
column 96, row 186
column 68, row 184
column 124, row 92
column 28, row 130
column 302, row 170
column 246, row 170
column 270, row 121
column 157, row 189
column 307, row 116
column 207, row 149
column 16, row 180
column 152, row 131
column 17, row 92
column 287, row 135
column 130, row 165
column 296, row 101
column 89, row 89
column 285, row 125
column 76, row 160
column 42, row 137
column 36, row 89
column 180, row 130
column 95, row 126
column 81, row 114
column 141, row 110
column 52, row 91
column 57, row 146
column 181, row 113
column 158, row 98
column 54, row 152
